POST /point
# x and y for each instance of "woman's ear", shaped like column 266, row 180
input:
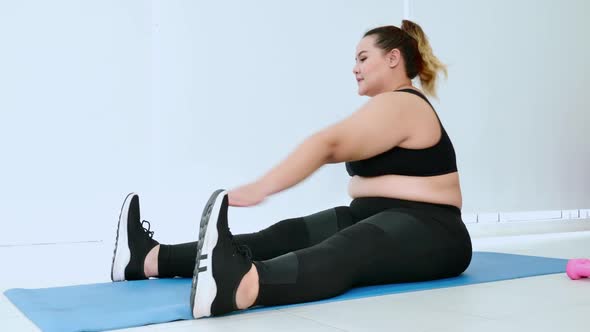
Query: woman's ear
column 393, row 58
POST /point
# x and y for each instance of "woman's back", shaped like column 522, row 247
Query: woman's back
column 421, row 168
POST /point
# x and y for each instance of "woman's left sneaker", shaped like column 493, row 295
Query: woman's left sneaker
column 220, row 264
column 132, row 244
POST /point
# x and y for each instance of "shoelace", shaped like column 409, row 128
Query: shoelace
column 147, row 230
column 241, row 249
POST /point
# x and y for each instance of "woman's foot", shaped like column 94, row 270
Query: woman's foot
column 133, row 243
column 221, row 264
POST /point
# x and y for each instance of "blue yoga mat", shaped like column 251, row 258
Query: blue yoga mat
column 118, row 305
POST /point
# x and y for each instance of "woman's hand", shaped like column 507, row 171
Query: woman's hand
column 247, row 195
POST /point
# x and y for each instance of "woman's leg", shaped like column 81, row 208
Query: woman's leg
column 167, row 261
column 390, row 246
column 296, row 233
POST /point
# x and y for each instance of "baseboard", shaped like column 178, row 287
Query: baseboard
column 527, row 227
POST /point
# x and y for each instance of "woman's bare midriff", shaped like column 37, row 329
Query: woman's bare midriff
column 440, row 189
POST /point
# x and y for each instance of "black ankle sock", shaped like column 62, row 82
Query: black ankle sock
column 177, row 260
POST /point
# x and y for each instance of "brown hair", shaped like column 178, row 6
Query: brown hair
column 415, row 48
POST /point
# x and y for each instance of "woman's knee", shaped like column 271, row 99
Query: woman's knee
column 324, row 224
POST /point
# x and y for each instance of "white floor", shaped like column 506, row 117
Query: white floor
column 544, row 303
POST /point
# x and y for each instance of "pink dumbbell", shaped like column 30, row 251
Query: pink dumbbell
column 578, row 268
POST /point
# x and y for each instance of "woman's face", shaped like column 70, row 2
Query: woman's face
column 372, row 69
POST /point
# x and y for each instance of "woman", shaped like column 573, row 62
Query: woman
column 403, row 224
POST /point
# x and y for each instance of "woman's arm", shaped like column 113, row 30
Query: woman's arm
column 307, row 158
column 377, row 127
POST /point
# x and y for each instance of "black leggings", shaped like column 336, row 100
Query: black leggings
column 373, row 241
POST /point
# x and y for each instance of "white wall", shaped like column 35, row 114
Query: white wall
column 74, row 116
column 174, row 99
column 515, row 102
column 237, row 85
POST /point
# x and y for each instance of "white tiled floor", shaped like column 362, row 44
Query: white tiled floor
column 543, row 303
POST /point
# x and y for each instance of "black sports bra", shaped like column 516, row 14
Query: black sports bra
column 435, row 160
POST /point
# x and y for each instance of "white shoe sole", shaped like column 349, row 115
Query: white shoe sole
column 122, row 253
column 204, row 288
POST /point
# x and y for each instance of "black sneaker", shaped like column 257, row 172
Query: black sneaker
column 221, row 263
column 132, row 244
